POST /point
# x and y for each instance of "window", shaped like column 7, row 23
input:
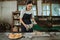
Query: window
column 46, row 9
column 55, row 9
column 34, row 9
column 22, row 7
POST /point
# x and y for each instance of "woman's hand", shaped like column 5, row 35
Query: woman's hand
column 26, row 26
column 31, row 25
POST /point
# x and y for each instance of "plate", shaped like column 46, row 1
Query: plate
column 14, row 35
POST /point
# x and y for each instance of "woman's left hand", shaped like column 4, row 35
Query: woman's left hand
column 29, row 26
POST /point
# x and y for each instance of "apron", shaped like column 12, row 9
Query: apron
column 27, row 20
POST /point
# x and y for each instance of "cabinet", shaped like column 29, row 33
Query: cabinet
column 16, row 21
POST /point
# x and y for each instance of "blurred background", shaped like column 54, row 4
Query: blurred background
column 47, row 16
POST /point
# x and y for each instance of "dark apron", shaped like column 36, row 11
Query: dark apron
column 27, row 20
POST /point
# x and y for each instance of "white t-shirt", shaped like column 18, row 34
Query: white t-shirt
column 27, row 12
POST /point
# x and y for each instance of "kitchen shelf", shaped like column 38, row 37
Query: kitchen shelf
column 16, row 20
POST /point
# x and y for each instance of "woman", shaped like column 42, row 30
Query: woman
column 25, row 18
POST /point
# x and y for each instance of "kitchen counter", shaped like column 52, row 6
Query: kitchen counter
column 32, row 36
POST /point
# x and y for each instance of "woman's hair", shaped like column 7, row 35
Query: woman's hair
column 29, row 2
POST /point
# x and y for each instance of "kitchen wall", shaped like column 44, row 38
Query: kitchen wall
column 7, row 8
column 0, row 9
